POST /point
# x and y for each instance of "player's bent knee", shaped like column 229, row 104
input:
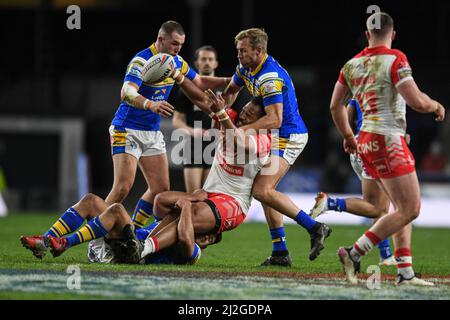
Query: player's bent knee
column 157, row 191
column 116, row 209
column 121, row 191
column 262, row 193
column 92, row 199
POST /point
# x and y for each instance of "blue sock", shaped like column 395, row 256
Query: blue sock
column 337, row 204
column 305, row 220
column 278, row 240
column 67, row 223
column 142, row 213
column 91, row 230
column 385, row 249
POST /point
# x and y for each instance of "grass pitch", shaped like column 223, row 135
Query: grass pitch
column 229, row 270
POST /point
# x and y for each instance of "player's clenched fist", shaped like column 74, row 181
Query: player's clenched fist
column 350, row 144
column 440, row 113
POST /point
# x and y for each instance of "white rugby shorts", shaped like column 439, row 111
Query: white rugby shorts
column 138, row 143
column 289, row 148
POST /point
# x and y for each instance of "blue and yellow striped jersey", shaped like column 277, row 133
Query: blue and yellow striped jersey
column 128, row 116
column 272, row 82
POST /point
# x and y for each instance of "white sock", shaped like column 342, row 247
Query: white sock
column 149, row 247
column 404, row 267
column 363, row 245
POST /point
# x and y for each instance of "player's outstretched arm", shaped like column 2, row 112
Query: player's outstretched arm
column 197, row 96
column 340, row 117
column 271, row 120
column 165, row 201
column 230, row 93
column 419, row 101
column 214, row 83
column 130, row 95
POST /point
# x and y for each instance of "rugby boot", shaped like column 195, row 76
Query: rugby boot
column 321, row 205
column 414, row 281
column 283, row 261
column 318, row 235
column 38, row 245
column 388, row 261
column 134, row 246
column 351, row 268
column 57, row 245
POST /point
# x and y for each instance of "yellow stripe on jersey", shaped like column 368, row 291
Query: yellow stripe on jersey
column 260, row 65
column 271, row 87
column 184, row 67
column 153, row 49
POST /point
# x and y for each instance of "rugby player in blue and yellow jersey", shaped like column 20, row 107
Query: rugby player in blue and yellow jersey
column 112, row 238
column 264, row 77
column 135, row 135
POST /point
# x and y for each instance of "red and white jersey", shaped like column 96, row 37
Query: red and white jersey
column 373, row 76
column 233, row 172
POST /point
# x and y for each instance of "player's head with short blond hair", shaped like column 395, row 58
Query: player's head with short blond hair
column 380, row 25
column 257, row 37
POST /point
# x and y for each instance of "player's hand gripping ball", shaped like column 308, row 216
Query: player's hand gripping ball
column 158, row 68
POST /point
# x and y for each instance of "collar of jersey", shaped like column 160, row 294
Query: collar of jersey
column 377, row 49
column 153, row 49
column 260, row 65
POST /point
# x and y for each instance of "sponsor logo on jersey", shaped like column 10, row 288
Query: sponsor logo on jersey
column 269, row 87
column 233, row 170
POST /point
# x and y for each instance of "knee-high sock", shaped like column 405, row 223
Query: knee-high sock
column 305, row 220
column 385, row 249
column 404, row 262
column 67, row 223
column 142, row 213
column 150, row 246
column 91, row 230
column 278, row 241
column 364, row 244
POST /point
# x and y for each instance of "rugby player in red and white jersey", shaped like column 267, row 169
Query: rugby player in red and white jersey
column 381, row 80
column 226, row 196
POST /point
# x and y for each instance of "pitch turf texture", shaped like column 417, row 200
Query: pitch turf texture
column 229, row 270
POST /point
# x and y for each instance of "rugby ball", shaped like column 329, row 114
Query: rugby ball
column 158, row 68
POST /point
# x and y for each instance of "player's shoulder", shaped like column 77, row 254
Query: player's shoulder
column 179, row 59
column 269, row 70
column 144, row 54
column 399, row 54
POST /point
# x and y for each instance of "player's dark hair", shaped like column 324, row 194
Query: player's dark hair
column 259, row 102
column 171, row 26
column 380, row 24
column 205, row 48
column 218, row 238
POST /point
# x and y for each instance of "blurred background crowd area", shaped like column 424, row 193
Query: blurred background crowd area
column 51, row 73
